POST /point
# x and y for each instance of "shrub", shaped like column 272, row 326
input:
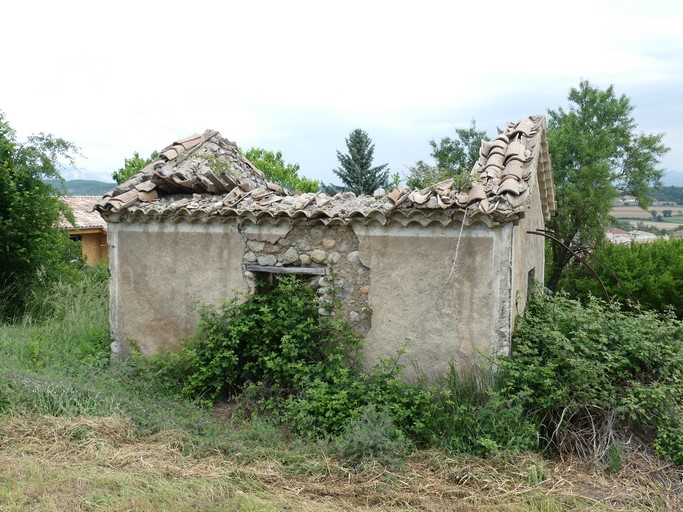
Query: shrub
column 276, row 350
column 276, row 340
column 590, row 372
column 471, row 416
column 372, row 435
column 652, row 273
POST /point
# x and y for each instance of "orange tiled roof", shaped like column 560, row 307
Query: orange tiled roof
column 85, row 217
column 205, row 176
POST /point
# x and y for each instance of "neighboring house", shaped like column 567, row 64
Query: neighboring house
column 618, row 236
column 441, row 271
column 90, row 228
column 642, row 236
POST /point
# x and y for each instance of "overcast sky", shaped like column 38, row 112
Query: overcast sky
column 298, row 76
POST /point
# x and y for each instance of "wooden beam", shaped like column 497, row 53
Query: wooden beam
column 271, row 269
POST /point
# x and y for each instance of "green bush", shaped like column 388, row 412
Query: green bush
column 471, row 416
column 276, row 350
column 588, row 373
column 275, row 340
column 372, row 435
column 651, row 272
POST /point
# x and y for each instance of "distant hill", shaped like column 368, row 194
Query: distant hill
column 85, row 187
column 671, row 193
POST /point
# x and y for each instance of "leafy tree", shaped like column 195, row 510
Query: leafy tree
column 356, row 170
column 454, row 157
column 651, row 272
column 597, row 155
column 32, row 245
column 133, row 165
column 278, row 171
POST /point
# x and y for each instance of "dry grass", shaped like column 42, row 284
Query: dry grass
column 82, row 464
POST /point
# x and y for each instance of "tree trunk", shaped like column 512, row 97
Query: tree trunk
column 561, row 257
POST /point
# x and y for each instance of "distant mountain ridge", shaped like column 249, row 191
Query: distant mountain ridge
column 85, row 187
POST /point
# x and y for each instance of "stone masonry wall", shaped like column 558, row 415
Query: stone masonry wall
column 335, row 247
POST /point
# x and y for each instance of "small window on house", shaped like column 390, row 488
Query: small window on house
column 266, row 275
column 76, row 238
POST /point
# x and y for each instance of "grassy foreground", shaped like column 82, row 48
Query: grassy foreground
column 77, row 434
column 75, row 464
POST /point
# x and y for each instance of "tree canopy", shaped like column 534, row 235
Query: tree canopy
column 597, row 155
column 32, row 245
column 356, row 171
column 133, row 165
column 278, row 171
column 453, row 157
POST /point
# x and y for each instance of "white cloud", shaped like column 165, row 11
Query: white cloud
column 126, row 76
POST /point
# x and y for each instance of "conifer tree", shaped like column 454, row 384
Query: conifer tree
column 356, row 171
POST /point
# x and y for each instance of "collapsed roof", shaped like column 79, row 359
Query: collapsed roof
column 206, row 178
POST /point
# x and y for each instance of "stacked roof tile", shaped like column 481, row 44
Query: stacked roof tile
column 205, row 177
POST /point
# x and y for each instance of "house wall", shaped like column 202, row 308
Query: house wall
column 160, row 271
column 528, row 255
column 437, row 310
column 334, row 248
column 399, row 285
column 94, row 245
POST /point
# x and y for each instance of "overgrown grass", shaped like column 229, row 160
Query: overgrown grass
column 56, row 362
column 368, row 430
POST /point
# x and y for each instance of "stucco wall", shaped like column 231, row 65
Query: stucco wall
column 94, row 245
column 400, row 285
column 528, row 255
column 159, row 271
column 440, row 317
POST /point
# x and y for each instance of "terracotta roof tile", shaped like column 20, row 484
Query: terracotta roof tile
column 206, row 177
column 82, row 207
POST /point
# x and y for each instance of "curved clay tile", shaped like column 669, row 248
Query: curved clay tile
column 485, row 148
column 495, row 159
column 514, row 168
column 418, row 197
column 524, row 127
column 477, row 193
column 508, row 186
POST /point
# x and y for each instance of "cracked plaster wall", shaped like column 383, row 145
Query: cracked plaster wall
column 394, row 283
column 528, row 254
column 438, row 319
column 160, row 271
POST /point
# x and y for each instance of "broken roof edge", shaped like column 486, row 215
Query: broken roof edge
column 209, row 172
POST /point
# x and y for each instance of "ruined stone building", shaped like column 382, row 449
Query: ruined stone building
column 443, row 270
